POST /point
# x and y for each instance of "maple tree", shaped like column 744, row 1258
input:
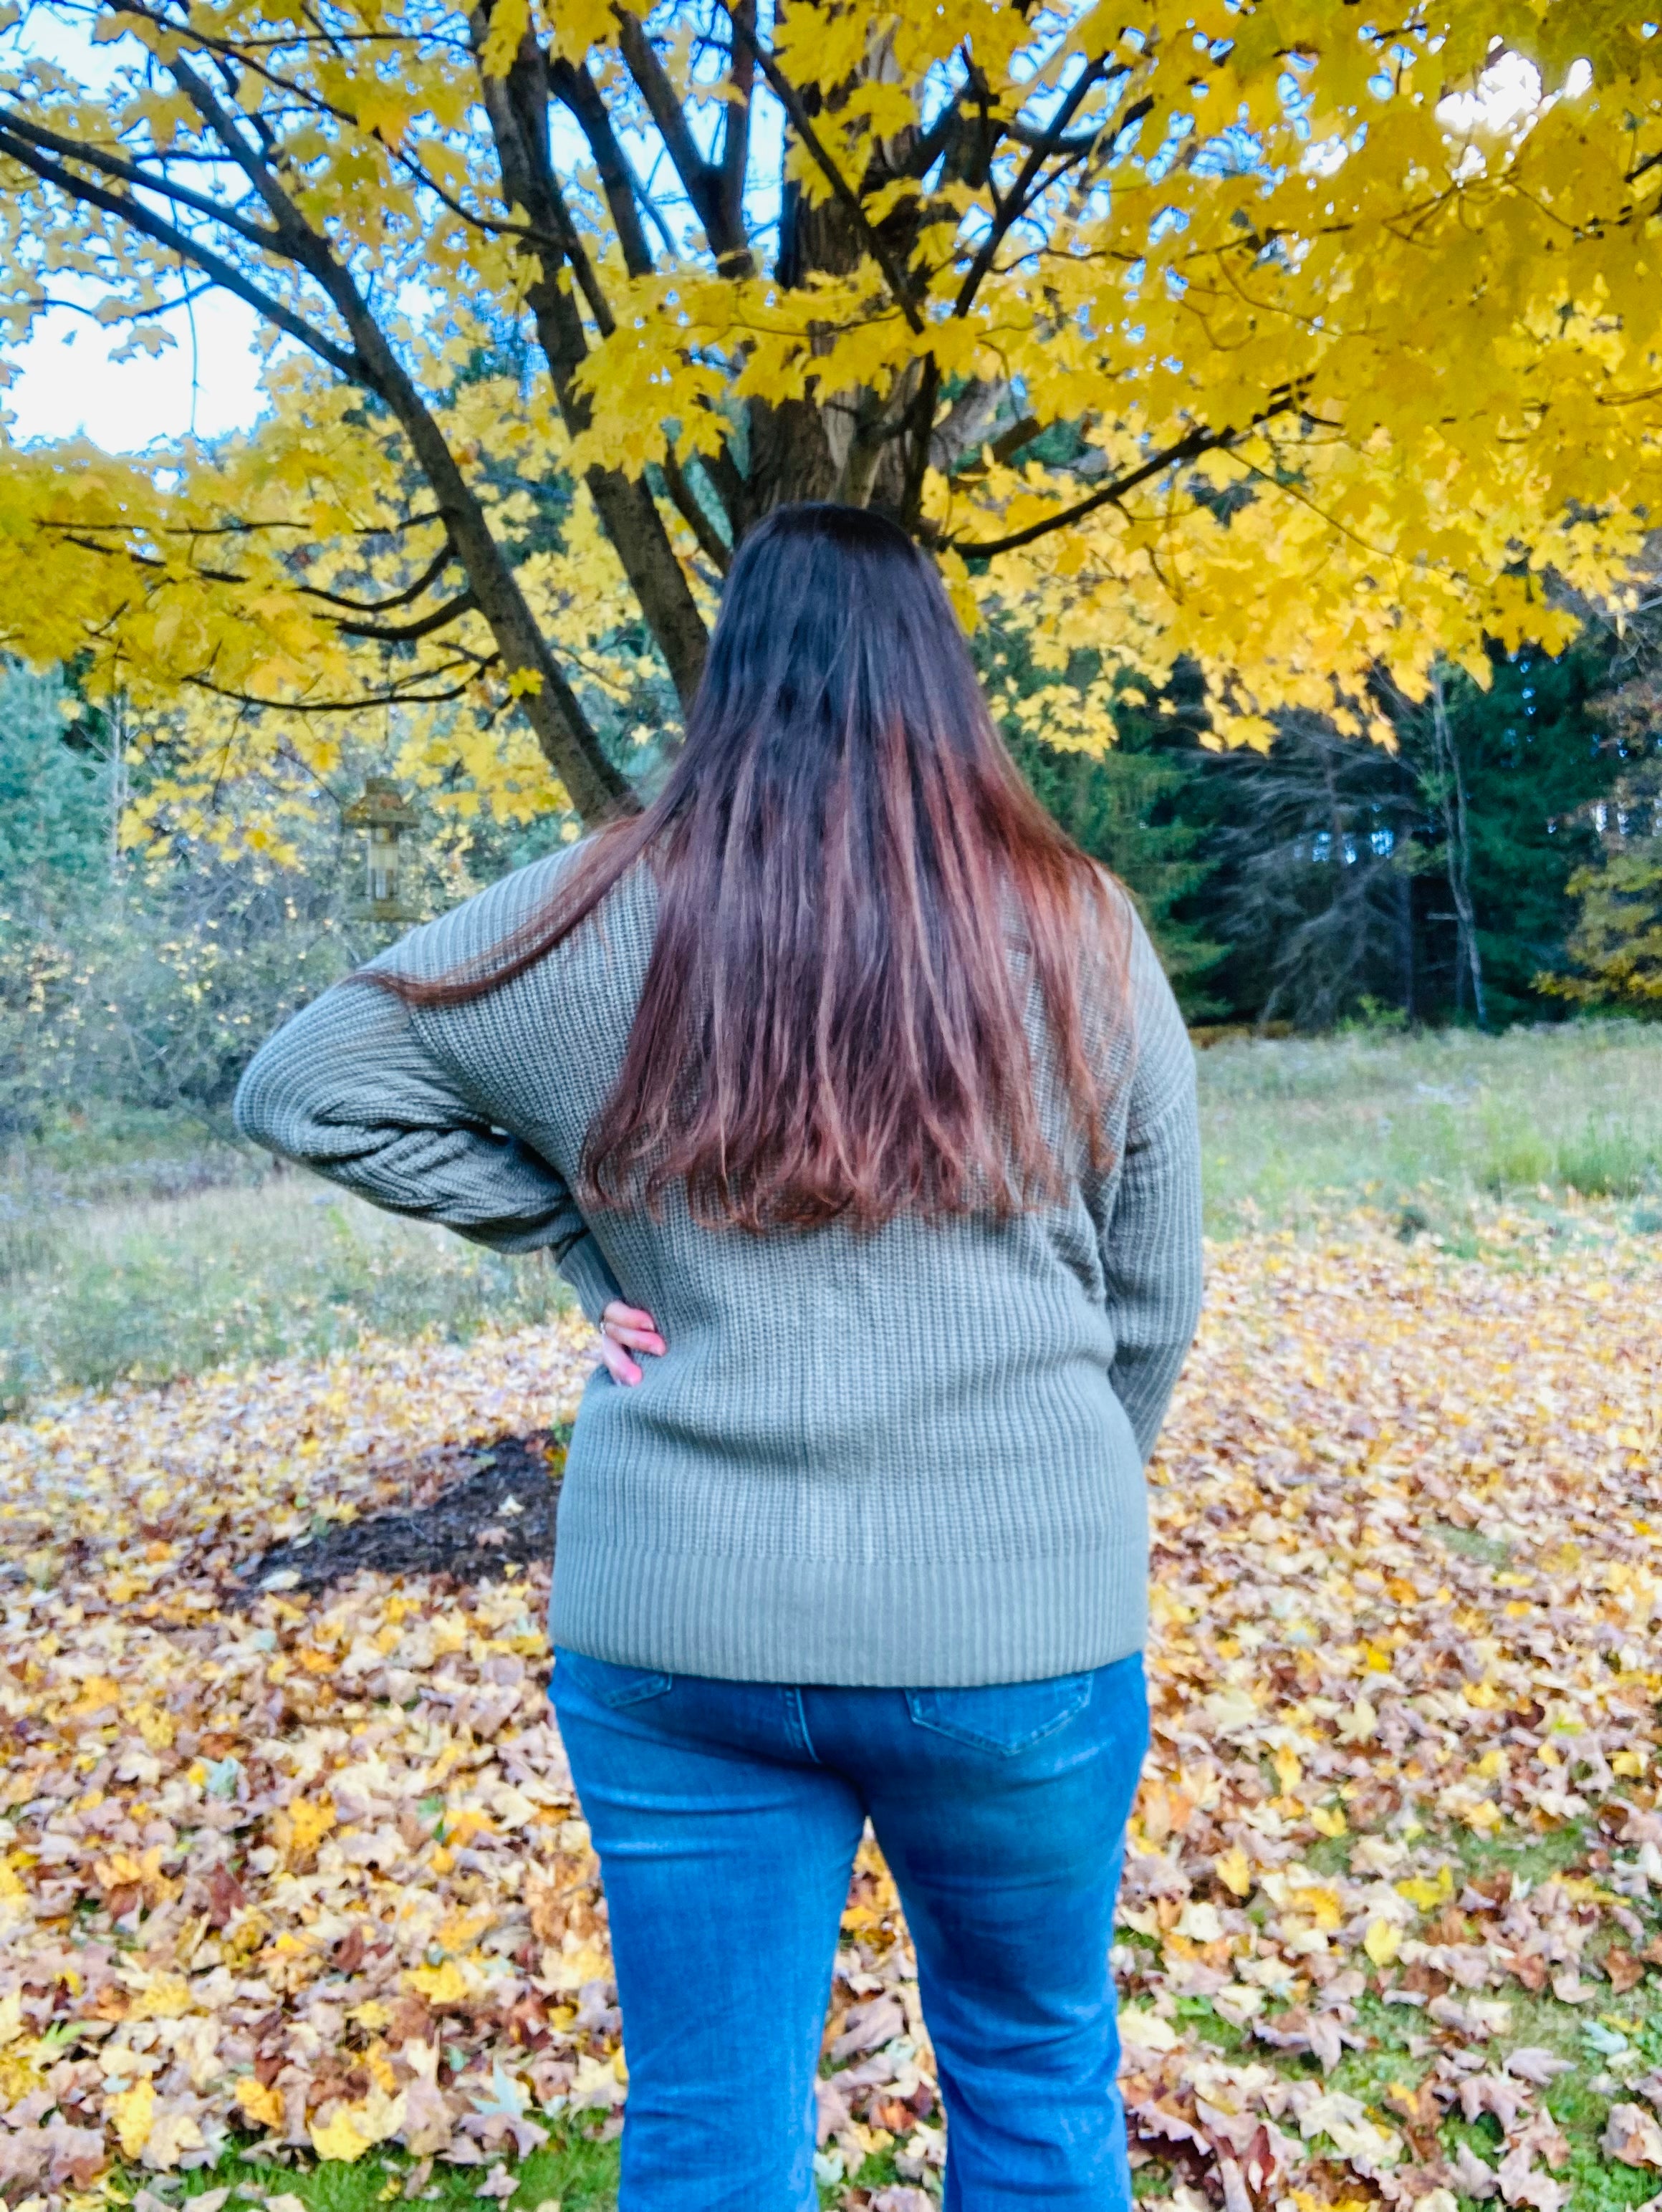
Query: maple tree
column 1616, row 943
column 1287, row 340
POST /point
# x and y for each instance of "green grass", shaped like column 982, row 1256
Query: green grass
column 577, row 2171
column 1429, row 1129
column 147, row 1250
column 95, row 1287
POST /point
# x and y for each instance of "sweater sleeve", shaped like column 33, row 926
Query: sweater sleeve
column 1151, row 1252
column 353, row 1088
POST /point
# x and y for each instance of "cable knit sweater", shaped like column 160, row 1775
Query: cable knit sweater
column 909, row 1458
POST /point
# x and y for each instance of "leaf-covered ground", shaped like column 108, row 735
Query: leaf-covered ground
column 295, row 1900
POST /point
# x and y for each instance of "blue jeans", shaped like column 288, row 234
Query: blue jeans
column 726, row 1816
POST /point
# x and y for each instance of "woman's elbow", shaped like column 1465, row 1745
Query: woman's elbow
column 268, row 1108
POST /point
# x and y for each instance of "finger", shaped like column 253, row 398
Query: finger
column 618, row 1364
column 625, row 1316
column 637, row 1340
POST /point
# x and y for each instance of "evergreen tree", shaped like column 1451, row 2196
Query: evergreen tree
column 55, row 801
column 1532, row 763
column 1311, row 890
column 1120, row 806
column 1345, row 875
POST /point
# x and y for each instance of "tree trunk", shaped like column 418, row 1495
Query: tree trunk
column 594, row 786
column 518, row 107
column 1457, row 844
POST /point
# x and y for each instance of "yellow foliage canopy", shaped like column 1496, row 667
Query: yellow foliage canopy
column 1255, row 333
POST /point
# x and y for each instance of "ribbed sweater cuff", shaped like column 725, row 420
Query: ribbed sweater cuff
column 583, row 1266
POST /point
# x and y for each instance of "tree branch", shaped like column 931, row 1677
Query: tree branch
column 516, row 108
column 735, row 160
column 1186, row 449
column 394, row 696
column 1016, row 205
column 791, row 101
column 689, row 507
column 931, row 144
column 428, row 576
column 550, row 705
column 129, row 172
column 380, row 633
column 407, row 633
column 702, row 180
column 160, row 231
column 577, row 93
column 920, row 424
column 134, row 559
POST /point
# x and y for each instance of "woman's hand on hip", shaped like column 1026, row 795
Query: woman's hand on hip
column 625, row 1330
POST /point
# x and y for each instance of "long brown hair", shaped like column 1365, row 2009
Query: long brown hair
column 832, row 1024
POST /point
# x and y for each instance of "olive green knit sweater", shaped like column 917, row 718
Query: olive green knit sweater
column 913, row 1458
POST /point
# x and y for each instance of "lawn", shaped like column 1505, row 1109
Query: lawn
column 153, row 1250
column 296, row 1901
column 1436, row 1126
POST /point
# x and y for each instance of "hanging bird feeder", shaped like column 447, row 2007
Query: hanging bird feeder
column 388, row 815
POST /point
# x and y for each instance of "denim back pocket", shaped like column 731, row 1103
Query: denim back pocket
column 610, row 1685
column 1004, row 1717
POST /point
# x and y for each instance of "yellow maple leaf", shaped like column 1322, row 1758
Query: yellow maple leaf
column 440, row 1985
column 1233, row 1869
column 302, row 1826
column 20, row 2075
column 1427, row 1894
column 340, row 2138
column 163, row 1995
column 133, row 2112
column 262, row 2102
column 351, row 2130
column 156, row 1728
column 1321, row 1903
column 458, row 1930
column 1383, row 1942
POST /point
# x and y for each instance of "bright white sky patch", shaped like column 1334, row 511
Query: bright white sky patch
column 66, row 386
column 1507, row 93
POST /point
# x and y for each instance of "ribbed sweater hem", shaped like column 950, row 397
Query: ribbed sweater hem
column 938, row 1624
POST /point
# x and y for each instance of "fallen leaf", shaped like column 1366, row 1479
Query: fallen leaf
column 1633, row 2136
